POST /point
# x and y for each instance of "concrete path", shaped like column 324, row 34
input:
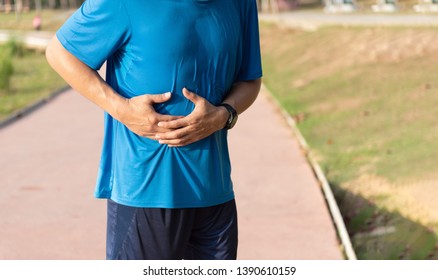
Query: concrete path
column 312, row 20
column 32, row 39
column 48, row 164
column 282, row 211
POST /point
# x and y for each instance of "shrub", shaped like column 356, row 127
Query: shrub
column 15, row 47
column 6, row 68
column 8, row 51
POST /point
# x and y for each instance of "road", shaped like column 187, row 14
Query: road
column 311, row 20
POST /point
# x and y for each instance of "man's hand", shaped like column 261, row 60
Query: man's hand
column 202, row 122
column 136, row 113
column 139, row 115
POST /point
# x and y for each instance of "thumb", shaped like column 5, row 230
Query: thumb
column 159, row 98
column 190, row 95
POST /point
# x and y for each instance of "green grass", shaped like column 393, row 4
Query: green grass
column 33, row 79
column 364, row 114
column 392, row 139
column 391, row 105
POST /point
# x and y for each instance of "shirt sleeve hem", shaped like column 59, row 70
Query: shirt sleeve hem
column 71, row 49
column 250, row 77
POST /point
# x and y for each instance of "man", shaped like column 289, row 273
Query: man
column 178, row 74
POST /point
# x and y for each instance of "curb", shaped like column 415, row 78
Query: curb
column 328, row 194
column 29, row 109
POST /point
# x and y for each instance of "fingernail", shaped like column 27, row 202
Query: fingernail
column 157, row 137
column 167, row 94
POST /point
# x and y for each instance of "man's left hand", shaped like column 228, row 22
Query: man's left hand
column 202, row 122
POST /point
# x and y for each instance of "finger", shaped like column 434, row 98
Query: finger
column 173, row 135
column 160, row 118
column 184, row 141
column 159, row 98
column 153, row 118
column 158, row 130
column 175, row 123
column 191, row 95
column 176, row 142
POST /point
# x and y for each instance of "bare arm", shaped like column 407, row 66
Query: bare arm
column 136, row 113
column 243, row 94
column 206, row 118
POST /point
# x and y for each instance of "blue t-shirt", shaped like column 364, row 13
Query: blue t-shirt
column 159, row 46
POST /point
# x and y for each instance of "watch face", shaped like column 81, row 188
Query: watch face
column 232, row 121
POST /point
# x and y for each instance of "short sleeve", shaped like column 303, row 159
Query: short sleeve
column 251, row 68
column 95, row 31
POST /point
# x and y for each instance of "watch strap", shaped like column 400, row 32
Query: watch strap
column 232, row 118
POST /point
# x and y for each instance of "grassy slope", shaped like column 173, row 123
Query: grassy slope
column 365, row 100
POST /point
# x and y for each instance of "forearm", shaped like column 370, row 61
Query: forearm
column 243, row 94
column 83, row 79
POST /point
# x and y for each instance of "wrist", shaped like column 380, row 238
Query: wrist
column 223, row 116
column 119, row 108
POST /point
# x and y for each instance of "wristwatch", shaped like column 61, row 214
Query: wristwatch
column 232, row 118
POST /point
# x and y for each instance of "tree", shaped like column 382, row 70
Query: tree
column 38, row 5
column 52, row 4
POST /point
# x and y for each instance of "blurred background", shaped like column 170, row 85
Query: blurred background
column 358, row 77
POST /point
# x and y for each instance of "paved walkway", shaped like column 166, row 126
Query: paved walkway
column 282, row 211
column 311, row 20
column 32, row 39
column 48, row 164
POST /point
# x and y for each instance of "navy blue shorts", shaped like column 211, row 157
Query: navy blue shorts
column 208, row 233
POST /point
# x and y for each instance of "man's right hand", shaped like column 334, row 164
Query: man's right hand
column 139, row 115
column 136, row 113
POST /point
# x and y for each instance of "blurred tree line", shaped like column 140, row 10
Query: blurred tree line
column 26, row 5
